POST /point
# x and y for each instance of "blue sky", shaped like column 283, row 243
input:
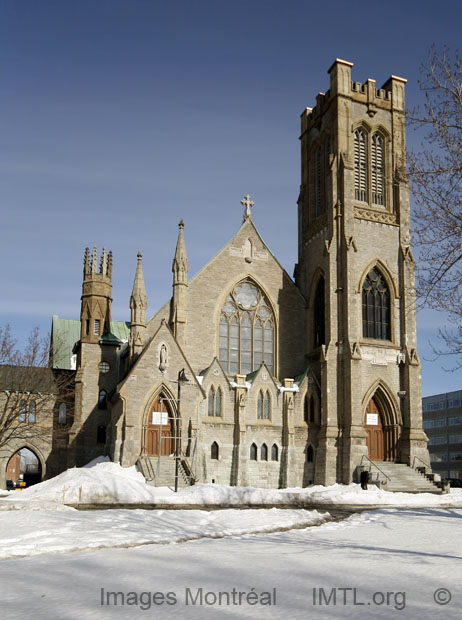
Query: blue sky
column 121, row 117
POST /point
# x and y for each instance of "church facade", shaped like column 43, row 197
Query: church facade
column 248, row 376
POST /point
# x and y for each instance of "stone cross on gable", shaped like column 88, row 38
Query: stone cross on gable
column 247, row 204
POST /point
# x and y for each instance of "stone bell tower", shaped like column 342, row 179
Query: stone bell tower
column 356, row 269
column 95, row 311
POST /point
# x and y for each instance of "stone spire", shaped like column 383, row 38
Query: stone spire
column 178, row 309
column 138, row 305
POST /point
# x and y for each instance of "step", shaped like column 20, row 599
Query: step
column 399, row 477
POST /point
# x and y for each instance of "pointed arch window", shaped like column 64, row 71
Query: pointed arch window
column 101, row 434
column 306, row 409
column 264, row 406
column 253, row 452
column 22, row 411
column 361, row 189
column 32, row 412
column 102, row 399
column 318, row 182
column 376, row 306
column 247, row 327
column 312, row 417
column 274, row 452
column 62, row 413
column 310, row 454
column 214, row 451
column 377, row 169
column 264, row 452
column 215, row 402
column 319, row 336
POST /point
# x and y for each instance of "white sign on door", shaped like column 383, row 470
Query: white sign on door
column 160, row 418
column 372, row 419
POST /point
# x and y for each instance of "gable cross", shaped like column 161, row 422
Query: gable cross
column 247, row 202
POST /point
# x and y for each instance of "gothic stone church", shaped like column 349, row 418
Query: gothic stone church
column 283, row 382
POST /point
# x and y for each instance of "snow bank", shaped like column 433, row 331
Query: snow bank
column 104, row 482
column 26, row 534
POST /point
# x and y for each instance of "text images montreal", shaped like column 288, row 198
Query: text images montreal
column 189, row 596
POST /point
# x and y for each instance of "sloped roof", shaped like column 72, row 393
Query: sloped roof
column 66, row 332
column 27, row 379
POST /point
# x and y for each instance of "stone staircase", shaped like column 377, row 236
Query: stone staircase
column 400, row 477
column 163, row 474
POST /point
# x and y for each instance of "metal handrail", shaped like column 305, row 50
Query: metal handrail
column 376, row 466
column 418, row 458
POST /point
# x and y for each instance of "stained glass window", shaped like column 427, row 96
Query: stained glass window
column 246, row 331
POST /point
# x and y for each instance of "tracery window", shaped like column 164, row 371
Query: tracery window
column 376, row 306
column 214, row 403
column 247, row 330
column 263, row 406
column 22, row 411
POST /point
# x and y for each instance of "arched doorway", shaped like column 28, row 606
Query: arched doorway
column 159, row 432
column 24, row 465
column 374, row 427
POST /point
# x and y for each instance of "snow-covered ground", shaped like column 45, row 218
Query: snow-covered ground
column 182, row 564
column 379, row 565
column 104, row 482
column 27, row 533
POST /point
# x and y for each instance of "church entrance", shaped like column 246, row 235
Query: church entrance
column 374, row 428
column 159, row 432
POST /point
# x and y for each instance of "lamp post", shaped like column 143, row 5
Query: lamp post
column 182, row 378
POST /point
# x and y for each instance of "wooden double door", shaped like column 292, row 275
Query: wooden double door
column 160, row 430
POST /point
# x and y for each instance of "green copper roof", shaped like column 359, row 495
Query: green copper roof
column 66, row 332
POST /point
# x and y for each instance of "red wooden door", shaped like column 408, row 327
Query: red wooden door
column 374, row 429
column 159, row 431
column 13, row 469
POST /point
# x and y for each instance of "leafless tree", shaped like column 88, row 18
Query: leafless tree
column 436, row 181
column 29, row 388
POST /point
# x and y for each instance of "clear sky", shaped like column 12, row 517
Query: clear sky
column 119, row 117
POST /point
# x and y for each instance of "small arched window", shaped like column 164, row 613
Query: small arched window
column 267, row 407
column 274, row 452
column 218, row 401
column 62, row 413
column 211, row 402
column 319, row 314
column 32, row 412
column 309, row 454
column 101, row 434
column 253, row 452
column 22, row 411
column 214, row 451
column 376, row 306
column 312, row 409
column 215, row 402
column 361, row 185
column 260, row 406
column 102, row 399
column 306, row 409
column 264, row 452
column 318, row 182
